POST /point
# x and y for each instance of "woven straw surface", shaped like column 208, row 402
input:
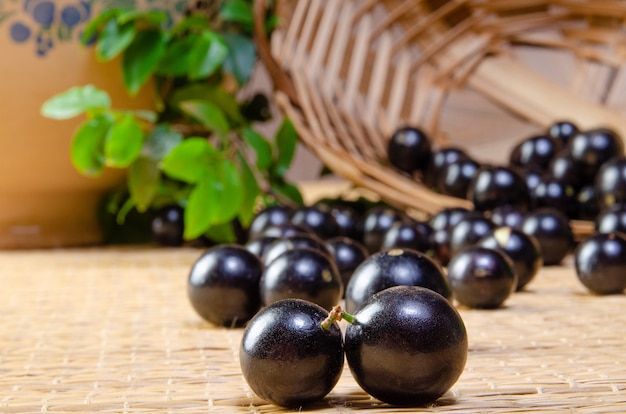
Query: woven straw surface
column 110, row 330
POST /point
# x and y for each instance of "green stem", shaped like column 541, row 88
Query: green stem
column 335, row 315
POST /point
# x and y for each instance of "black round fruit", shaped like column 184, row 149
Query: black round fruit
column 409, row 149
column 287, row 358
column 600, row 262
column 296, row 241
column 260, row 245
column 168, row 226
column 302, row 273
column 521, row 248
column 610, row 182
column 611, row 219
column 471, row 228
column 481, row 277
column 509, row 216
column 563, row 131
column 550, row 192
column 455, row 178
column 393, row 268
column 407, row 346
column 317, row 218
column 408, row 235
column 592, row 148
column 495, row 186
column 438, row 161
column 348, row 255
column 537, row 150
column 271, row 216
column 376, row 221
column 552, row 230
column 223, row 285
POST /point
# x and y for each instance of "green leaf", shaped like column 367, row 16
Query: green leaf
column 203, row 91
column 260, row 145
column 146, row 115
column 175, row 61
column 87, row 148
column 93, row 26
column 207, row 55
column 123, row 142
column 216, row 199
column 208, row 114
column 160, row 142
column 222, row 233
column 143, row 182
column 250, row 192
column 189, row 24
column 113, row 39
column 154, row 16
column 286, row 141
column 142, row 57
column 75, row 101
column 237, row 11
column 190, row 160
column 241, row 56
column 288, row 190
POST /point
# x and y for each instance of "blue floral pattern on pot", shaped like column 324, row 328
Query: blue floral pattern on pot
column 41, row 24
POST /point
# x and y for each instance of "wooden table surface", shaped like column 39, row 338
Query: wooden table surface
column 111, row 330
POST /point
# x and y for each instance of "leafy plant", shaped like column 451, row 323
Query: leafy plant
column 199, row 146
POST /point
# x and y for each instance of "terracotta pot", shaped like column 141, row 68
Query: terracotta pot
column 44, row 202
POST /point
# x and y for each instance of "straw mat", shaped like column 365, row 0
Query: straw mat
column 111, row 330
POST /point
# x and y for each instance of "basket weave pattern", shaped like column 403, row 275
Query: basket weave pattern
column 478, row 74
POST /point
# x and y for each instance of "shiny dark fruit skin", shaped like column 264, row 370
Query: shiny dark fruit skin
column 550, row 192
column 440, row 242
column 407, row 347
column 552, row 230
column 285, row 230
column 168, row 226
column 348, row 254
column 302, row 273
column 610, row 182
column 348, row 219
column 592, row 148
column 600, row 263
column 223, row 285
column 287, row 358
column 455, row 178
column 532, row 176
column 409, row 235
column 611, row 219
column 565, row 169
column 469, row 230
column 376, row 221
column 587, row 204
column 439, row 159
column 563, row 130
column 521, row 248
column 271, row 216
column 509, row 216
column 317, row 218
column 447, row 217
column 395, row 267
column 495, row 186
column 296, row 241
column 537, row 150
column 409, row 149
column 481, row 277
column 259, row 245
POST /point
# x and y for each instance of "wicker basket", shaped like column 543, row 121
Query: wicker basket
column 480, row 74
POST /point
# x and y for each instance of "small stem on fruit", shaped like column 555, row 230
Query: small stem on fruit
column 335, row 315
